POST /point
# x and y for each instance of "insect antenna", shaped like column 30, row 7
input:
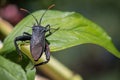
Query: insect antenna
column 39, row 23
column 30, row 14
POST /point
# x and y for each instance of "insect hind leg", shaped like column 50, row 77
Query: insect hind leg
column 20, row 38
column 47, row 53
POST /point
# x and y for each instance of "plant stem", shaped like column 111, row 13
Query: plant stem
column 57, row 71
column 1, row 45
column 5, row 27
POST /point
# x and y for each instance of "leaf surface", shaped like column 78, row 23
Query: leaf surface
column 74, row 29
column 10, row 70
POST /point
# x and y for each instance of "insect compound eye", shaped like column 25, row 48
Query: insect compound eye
column 33, row 29
column 44, row 30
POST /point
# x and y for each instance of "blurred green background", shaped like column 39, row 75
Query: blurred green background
column 91, row 61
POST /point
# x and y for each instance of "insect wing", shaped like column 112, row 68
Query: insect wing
column 37, row 46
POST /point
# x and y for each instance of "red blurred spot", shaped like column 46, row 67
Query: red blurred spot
column 11, row 13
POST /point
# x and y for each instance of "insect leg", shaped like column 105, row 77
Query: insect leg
column 25, row 33
column 47, row 53
column 49, row 29
column 20, row 38
column 47, row 42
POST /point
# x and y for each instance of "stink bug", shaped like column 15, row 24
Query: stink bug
column 38, row 41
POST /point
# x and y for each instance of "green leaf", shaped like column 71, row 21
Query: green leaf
column 30, row 73
column 74, row 29
column 10, row 70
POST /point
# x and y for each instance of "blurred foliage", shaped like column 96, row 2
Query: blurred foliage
column 91, row 61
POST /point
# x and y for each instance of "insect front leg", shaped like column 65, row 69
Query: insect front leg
column 20, row 38
column 47, row 53
column 48, row 29
column 25, row 33
column 51, row 30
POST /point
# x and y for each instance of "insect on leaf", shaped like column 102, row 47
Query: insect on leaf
column 74, row 29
